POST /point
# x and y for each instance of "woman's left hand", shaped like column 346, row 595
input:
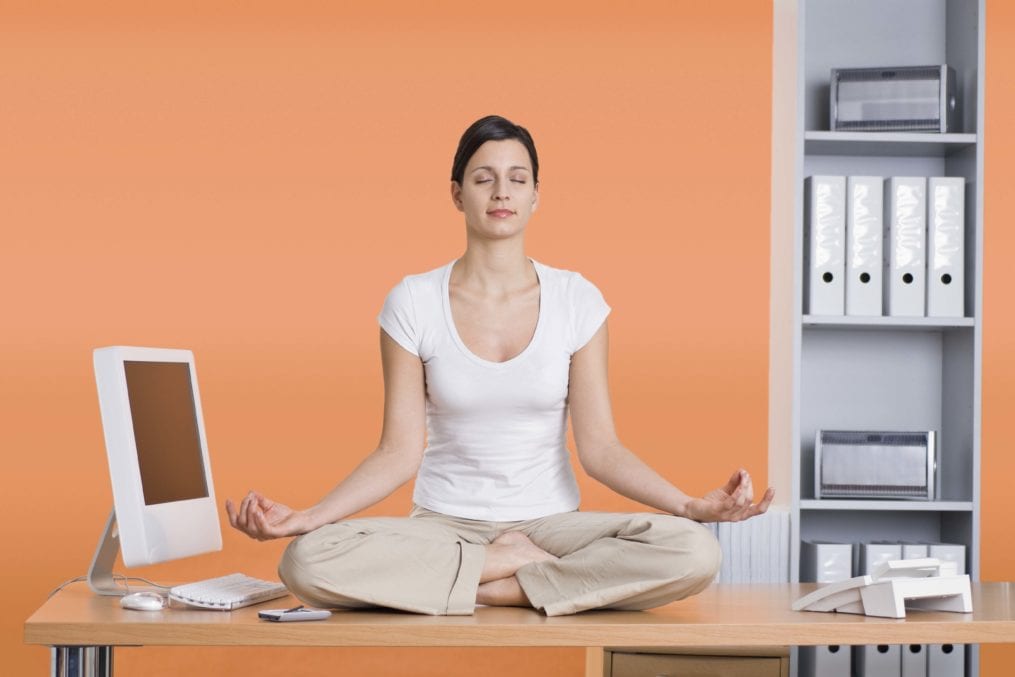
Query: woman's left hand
column 730, row 503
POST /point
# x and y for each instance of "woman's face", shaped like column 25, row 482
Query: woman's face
column 497, row 194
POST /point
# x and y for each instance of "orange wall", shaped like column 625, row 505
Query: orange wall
column 997, row 551
column 249, row 182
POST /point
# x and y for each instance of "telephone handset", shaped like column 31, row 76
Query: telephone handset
column 924, row 583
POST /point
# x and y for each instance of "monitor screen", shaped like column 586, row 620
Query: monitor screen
column 165, row 431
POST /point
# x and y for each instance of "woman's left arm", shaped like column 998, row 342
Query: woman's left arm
column 605, row 459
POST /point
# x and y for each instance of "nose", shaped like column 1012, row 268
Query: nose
column 500, row 190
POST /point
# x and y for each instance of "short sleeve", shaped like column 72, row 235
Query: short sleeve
column 398, row 318
column 588, row 311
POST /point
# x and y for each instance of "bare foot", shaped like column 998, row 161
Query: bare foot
column 508, row 553
column 502, row 592
column 526, row 546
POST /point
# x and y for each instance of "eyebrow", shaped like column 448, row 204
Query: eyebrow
column 490, row 169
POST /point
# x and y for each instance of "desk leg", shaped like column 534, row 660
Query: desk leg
column 81, row 661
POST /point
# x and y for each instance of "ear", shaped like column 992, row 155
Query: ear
column 456, row 196
column 535, row 197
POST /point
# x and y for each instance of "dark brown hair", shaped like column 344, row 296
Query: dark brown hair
column 491, row 128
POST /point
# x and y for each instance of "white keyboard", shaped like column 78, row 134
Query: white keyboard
column 227, row 592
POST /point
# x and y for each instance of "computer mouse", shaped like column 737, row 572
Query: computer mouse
column 143, row 601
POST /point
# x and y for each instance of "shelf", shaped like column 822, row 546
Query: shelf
column 863, row 504
column 895, row 144
column 877, row 372
column 885, row 322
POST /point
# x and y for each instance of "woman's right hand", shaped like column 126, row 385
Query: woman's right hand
column 261, row 518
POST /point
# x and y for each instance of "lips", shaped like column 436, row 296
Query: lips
column 500, row 213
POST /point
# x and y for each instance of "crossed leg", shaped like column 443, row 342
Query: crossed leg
column 561, row 563
column 505, row 555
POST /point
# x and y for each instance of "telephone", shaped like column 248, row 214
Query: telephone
column 924, row 583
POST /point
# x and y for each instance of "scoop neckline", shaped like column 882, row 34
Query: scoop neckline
column 446, row 285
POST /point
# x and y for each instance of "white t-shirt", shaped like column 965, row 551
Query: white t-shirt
column 496, row 431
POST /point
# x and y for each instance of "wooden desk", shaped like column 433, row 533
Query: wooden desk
column 730, row 615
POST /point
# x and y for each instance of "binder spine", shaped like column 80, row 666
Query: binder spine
column 826, row 661
column 946, row 660
column 905, row 245
column 879, row 660
column 946, row 247
column 914, row 660
column 824, row 198
column 864, row 235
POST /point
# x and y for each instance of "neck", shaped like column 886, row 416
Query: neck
column 494, row 267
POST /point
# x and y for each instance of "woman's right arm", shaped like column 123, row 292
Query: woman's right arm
column 393, row 463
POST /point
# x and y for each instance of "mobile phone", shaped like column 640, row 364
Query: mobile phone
column 298, row 614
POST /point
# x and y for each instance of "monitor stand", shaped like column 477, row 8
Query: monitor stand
column 100, row 573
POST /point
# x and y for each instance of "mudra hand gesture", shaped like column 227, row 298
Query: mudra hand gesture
column 261, row 518
column 730, row 503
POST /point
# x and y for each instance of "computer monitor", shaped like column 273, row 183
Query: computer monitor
column 163, row 495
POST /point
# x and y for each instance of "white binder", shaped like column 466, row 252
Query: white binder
column 914, row 551
column 864, row 257
column 914, row 660
column 946, row 660
column 825, row 562
column 873, row 554
column 946, row 246
column 905, row 243
column 825, row 211
column 878, row 660
column 949, row 552
column 825, row 661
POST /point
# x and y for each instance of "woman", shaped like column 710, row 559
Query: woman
column 487, row 355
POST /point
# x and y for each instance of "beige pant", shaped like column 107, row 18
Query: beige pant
column 430, row 563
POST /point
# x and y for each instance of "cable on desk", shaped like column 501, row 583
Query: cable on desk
column 116, row 577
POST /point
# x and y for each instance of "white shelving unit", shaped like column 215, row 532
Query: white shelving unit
column 880, row 373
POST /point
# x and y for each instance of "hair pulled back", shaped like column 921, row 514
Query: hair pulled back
column 491, row 128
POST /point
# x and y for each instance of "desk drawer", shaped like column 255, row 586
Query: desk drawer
column 678, row 665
